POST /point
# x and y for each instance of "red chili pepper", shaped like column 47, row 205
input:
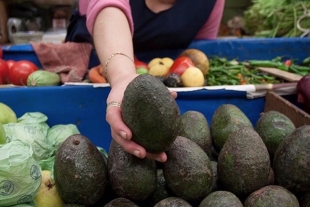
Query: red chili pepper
column 288, row 62
column 180, row 64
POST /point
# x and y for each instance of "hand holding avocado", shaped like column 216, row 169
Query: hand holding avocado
column 119, row 131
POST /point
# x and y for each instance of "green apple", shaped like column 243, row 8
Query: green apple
column 2, row 135
column 7, row 115
column 48, row 195
column 142, row 70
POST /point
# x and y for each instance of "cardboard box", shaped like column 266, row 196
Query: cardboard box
column 274, row 102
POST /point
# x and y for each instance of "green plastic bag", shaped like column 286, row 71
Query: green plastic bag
column 47, row 164
column 59, row 133
column 31, row 128
column 20, row 174
column 30, row 204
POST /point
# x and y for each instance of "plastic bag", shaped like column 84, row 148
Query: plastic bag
column 30, row 204
column 20, row 174
column 31, row 128
column 59, row 133
column 47, row 164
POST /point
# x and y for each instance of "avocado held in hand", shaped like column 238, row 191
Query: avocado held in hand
column 151, row 113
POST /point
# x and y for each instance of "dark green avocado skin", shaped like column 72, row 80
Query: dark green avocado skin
column 129, row 176
column 80, row 172
column 151, row 113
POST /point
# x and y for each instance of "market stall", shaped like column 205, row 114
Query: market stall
column 237, row 133
column 84, row 104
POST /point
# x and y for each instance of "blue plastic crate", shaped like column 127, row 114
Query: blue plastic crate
column 85, row 105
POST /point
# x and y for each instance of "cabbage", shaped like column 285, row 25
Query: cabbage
column 32, row 129
column 20, row 174
column 59, row 133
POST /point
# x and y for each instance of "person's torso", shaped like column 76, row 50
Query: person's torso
column 170, row 29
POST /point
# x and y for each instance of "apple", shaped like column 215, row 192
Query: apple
column 142, row 70
column 7, row 115
column 48, row 195
column 2, row 135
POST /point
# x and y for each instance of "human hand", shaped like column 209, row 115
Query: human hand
column 119, row 131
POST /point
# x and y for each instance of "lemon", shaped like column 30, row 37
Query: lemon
column 193, row 77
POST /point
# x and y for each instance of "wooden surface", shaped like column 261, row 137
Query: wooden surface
column 281, row 74
column 275, row 102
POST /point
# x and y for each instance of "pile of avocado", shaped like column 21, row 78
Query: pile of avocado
column 227, row 163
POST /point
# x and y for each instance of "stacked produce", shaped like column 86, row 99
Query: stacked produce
column 191, row 68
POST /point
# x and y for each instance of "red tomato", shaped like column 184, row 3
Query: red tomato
column 141, row 64
column 20, row 71
column 180, row 64
column 288, row 62
column 10, row 63
column 4, row 72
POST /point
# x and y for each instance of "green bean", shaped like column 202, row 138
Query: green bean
column 300, row 68
column 267, row 63
column 306, row 61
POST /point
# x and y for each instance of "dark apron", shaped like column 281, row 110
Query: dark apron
column 174, row 28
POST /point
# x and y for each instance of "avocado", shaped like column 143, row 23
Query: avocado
column 221, row 199
column 273, row 127
column 271, row 195
column 188, row 170
column 243, row 163
column 151, row 113
column 130, row 177
column 79, row 171
column 173, row 202
column 121, row 202
column 291, row 161
column 194, row 126
column 215, row 184
column 226, row 119
column 161, row 191
column 173, row 80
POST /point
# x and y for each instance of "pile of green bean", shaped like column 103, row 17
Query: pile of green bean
column 231, row 72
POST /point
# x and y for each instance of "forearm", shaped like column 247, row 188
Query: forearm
column 112, row 34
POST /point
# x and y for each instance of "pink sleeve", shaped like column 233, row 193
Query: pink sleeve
column 211, row 27
column 91, row 8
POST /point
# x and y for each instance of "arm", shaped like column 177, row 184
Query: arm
column 211, row 27
column 112, row 33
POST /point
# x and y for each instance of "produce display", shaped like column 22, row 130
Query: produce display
column 228, row 161
column 191, row 68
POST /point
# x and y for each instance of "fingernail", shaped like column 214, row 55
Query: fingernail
column 137, row 153
column 123, row 134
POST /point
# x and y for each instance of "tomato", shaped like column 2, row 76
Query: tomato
column 10, row 63
column 141, row 64
column 288, row 62
column 20, row 71
column 180, row 64
column 4, row 72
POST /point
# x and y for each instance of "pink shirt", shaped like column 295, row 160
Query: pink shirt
column 91, row 8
